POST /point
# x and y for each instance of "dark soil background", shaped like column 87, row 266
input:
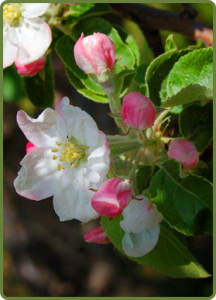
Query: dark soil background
column 44, row 257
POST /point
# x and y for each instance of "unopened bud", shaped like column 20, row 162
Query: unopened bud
column 95, row 55
column 185, row 153
column 112, row 197
column 138, row 111
column 96, row 235
column 32, row 68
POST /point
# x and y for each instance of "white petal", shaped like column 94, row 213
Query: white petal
column 72, row 198
column 97, row 172
column 140, row 244
column 38, row 176
column 44, row 131
column 32, row 38
column 9, row 50
column 33, row 10
column 80, row 125
column 139, row 216
column 101, row 148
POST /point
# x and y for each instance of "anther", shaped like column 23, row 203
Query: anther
column 58, row 144
column 54, row 150
column 54, row 157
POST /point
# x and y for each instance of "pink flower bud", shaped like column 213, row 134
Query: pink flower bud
column 112, row 197
column 32, row 68
column 95, row 54
column 138, row 111
column 30, row 147
column 185, row 153
column 96, row 235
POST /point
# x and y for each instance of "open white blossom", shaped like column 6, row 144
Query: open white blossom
column 71, row 157
column 25, row 36
column 141, row 225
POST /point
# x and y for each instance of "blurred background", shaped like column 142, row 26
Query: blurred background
column 44, row 257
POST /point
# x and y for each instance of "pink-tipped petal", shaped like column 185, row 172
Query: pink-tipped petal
column 185, row 153
column 30, row 147
column 112, row 197
column 32, row 68
column 138, row 111
column 96, row 235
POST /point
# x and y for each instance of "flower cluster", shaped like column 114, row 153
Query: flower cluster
column 67, row 156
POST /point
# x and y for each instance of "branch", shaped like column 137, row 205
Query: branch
column 155, row 19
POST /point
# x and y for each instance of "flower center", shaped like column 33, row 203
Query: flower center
column 12, row 14
column 71, row 153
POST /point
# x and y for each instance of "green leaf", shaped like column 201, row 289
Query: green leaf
column 157, row 72
column 170, row 43
column 86, row 10
column 196, row 124
column 191, row 78
column 185, row 203
column 83, row 90
column 122, row 81
column 120, row 144
column 191, row 93
column 169, row 256
column 129, row 40
column 143, row 177
column 124, row 55
column 206, row 172
column 13, row 85
column 40, row 88
column 64, row 48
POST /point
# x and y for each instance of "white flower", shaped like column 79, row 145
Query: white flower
column 141, row 225
column 72, row 156
column 25, row 36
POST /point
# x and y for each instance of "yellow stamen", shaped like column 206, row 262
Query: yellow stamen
column 66, row 144
column 54, row 157
column 54, row 150
column 58, row 144
column 59, row 167
column 72, row 166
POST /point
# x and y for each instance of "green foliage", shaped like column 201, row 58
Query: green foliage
column 185, row 203
column 191, row 78
column 157, row 72
column 40, row 88
column 196, row 124
column 170, row 255
column 13, row 86
column 143, row 177
column 86, row 10
column 170, row 43
column 83, row 90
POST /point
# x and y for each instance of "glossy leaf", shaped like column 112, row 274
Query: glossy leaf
column 185, row 203
column 191, row 78
column 169, row 256
column 40, row 88
column 196, row 124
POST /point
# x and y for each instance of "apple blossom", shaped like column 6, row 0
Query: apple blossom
column 71, row 158
column 95, row 54
column 112, row 197
column 32, row 68
column 185, row 153
column 141, row 225
column 25, row 36
column 138, row 111
column 96, row 235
